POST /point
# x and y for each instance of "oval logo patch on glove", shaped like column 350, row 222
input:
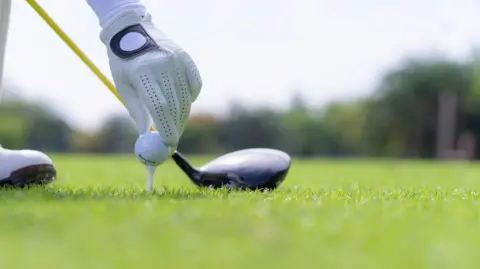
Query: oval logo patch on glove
column 132, row 41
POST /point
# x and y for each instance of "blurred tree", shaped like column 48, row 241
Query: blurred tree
column 32, row 125
column 201, row 136
column 245, row 129
column 13, row 125
column 118, row 135
column 301, row 131
column 402, row 118
column 346, row 124
column 86, row 142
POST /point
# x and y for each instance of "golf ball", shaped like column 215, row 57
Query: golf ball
column 150, row 149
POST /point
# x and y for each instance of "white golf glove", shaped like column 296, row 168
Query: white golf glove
column 156, row 78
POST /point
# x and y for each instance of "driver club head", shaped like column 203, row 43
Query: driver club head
column 254, row 169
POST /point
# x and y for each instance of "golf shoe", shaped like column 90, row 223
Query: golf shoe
column 21, row 168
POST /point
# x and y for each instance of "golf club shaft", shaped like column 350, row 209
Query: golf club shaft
column 67, row 40
column 44, row 15
column 182, row 162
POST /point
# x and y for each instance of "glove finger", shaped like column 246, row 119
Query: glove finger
column 169, row 86
column 193, row 75
column 134, row 105
column 155, row 100
column 184, row 99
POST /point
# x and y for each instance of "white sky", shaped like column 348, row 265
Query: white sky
column 260, row 50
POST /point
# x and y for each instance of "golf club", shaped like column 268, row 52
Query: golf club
column 254, row 169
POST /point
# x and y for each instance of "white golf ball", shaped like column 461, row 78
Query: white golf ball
column 150, row 149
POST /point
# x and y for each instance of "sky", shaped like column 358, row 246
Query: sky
column 257, row 52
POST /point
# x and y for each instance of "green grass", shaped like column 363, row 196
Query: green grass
column 328, row 214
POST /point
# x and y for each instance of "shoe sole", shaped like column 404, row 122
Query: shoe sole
column 34, row 175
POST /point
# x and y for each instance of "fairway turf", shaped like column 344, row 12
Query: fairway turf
column 327, row 214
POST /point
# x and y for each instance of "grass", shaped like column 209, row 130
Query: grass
column 328, row 214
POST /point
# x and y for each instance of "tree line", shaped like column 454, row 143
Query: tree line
column 422, row 108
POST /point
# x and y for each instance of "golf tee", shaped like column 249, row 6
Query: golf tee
column 151, row 175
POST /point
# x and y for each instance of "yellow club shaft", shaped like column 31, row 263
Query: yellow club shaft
column 44, row 15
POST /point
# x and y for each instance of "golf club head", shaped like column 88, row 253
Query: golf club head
column 254, row 169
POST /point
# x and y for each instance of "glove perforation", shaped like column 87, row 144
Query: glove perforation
column 185, row 99
column 154, row 101
column 169, row 95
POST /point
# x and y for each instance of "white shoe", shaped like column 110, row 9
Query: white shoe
column 20, row 168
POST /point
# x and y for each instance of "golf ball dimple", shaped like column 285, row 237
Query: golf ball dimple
column 150, row 149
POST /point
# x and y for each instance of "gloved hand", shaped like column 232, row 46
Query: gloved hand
column 155, row 77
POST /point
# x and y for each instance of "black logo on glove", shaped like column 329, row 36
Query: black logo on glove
column 149, row 44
